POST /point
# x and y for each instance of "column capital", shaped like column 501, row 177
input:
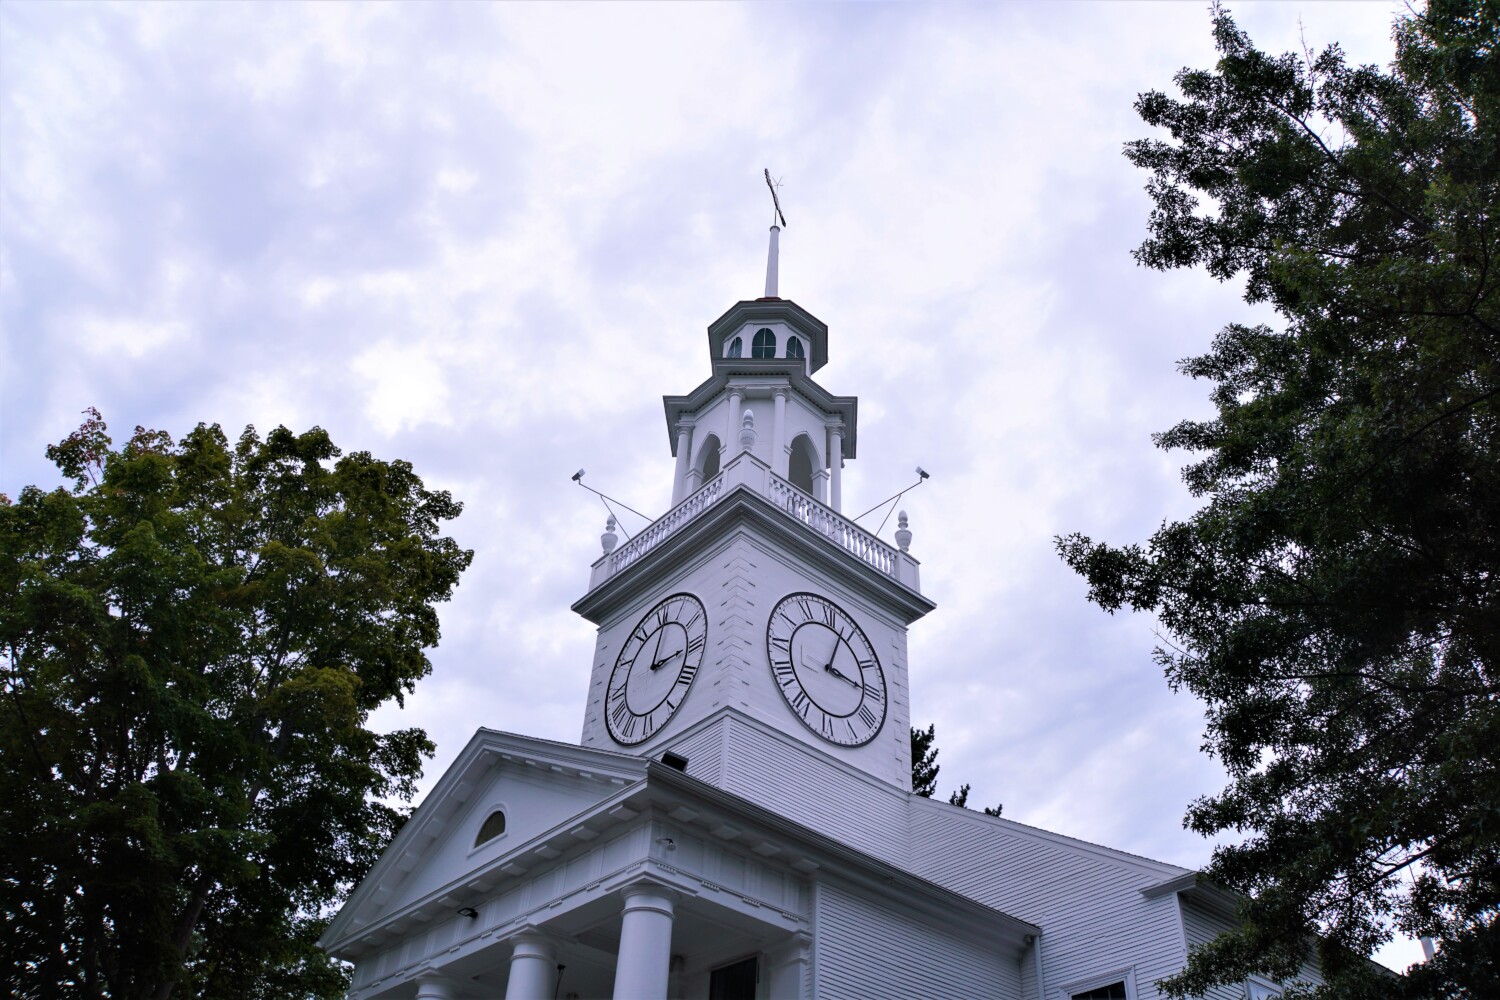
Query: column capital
column 532, row 943
column 434, row 986
column 781, row 391
column 685, row 423
column 796, row 947
column 649, row 896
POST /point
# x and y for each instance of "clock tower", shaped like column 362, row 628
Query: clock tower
column 754, row 595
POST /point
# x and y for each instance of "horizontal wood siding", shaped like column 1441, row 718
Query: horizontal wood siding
column 866, row 950
column 1087, row 900
column 1201, row 924
column 777, row 773
column 704, row 750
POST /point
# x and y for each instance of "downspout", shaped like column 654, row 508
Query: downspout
column 1036, row 952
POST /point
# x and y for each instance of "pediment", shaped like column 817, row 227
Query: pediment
column 539, row 786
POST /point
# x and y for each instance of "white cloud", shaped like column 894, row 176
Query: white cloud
column 406, row 386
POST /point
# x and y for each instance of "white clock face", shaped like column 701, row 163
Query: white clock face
column 655, row 668
column 826, row 669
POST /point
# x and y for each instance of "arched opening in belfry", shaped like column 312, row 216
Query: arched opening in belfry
column 801, row 463
column 764, row 344
column 735, row 349
column 794, row 348
column 708, row 459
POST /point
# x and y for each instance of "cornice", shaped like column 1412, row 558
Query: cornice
column 845, row 408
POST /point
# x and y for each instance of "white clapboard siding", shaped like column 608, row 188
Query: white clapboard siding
column 809, row 788
column 1201, row 924
column 865, row 950
column 1087, row 899
column 703, row 746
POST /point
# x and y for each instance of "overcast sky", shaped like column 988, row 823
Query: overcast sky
column 487, row 239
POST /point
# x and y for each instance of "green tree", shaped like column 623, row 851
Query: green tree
column 924, row 770
column 1334, row 603
column 192, row 640
column 924, row 765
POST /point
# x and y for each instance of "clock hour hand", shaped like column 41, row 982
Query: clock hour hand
column 835, row 671
column 665, row 659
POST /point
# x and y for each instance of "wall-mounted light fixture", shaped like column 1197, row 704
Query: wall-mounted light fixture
column 470, row 912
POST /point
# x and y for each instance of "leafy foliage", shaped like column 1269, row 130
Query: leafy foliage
column 1334, row 603
column 192, row 640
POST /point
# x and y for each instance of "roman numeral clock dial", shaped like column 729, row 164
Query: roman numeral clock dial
column 656, row 666
column 826, row 669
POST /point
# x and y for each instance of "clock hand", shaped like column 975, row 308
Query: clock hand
column 830, row 668
column 665, row 659
column 657, row 652
column 840, row 675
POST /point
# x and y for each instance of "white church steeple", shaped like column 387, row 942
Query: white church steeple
column 753, row 600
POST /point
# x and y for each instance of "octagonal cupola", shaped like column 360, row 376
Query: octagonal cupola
column 768, row 330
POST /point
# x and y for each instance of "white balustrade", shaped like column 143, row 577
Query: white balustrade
column 798, row 505
column 666, row 524
column 832, row 525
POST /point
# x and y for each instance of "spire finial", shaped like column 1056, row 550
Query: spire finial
column 775, row 250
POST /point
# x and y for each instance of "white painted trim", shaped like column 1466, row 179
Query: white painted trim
column 1126, row 975
column 1261, row 988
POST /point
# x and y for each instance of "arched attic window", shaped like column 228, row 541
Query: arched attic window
column 801, row 463
column 794, row 348
column 736, row 348
column 764, row 344
column 493, row 827
column 708, row 459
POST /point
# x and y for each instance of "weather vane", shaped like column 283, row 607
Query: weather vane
column 773, row 185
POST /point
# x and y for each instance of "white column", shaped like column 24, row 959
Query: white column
column 684, row 455
column 835, row 468
column 732, row 428
column 434, row 988
column 532, row 972
column 778, row 435
column 645, row 958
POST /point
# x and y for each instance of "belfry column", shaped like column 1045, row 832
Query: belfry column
column 645, row 959
column 836, row 468
column 778, row 434
column 732, row 431
column 531, row 968
column 684, row 457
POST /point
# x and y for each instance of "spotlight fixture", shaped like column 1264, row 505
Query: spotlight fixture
column 667, row 842
column 578, row 476
column 470, row 912
column 923, row 472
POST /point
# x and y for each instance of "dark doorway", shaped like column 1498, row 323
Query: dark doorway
column 734, row 982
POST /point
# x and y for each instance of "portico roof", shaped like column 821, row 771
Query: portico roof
column 629, row 787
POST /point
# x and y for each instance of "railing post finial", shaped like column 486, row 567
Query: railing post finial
column 609, row 539
column 903, row 536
